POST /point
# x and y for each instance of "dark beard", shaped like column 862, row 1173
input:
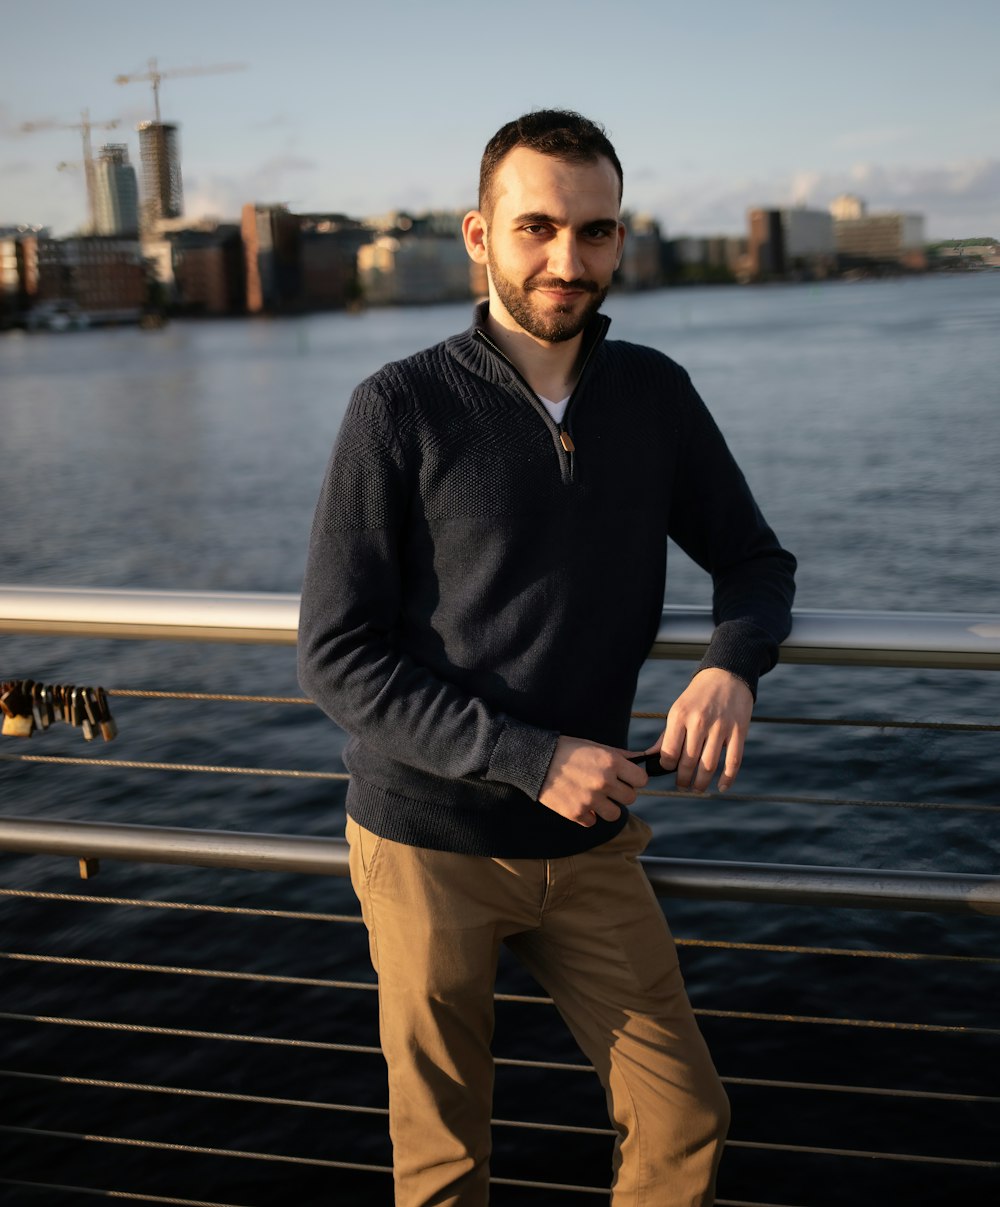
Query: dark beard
column 560, row 324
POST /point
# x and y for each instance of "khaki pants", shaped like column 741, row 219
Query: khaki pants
column 590, row 929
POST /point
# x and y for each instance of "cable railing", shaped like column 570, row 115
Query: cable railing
column 249, row 857
column 939, row 642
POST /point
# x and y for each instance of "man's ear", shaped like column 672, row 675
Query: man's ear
column 474, row 234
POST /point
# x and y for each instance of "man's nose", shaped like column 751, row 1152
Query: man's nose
column 564, row 258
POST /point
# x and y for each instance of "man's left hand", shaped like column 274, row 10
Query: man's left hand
column 711, row 716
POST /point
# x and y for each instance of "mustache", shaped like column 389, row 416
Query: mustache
column 558, row 283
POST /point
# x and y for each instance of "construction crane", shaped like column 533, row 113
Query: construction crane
column 154, row 76
column 85, row 125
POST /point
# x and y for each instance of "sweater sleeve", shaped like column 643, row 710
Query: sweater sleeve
column 716, row 521
column 349, row 656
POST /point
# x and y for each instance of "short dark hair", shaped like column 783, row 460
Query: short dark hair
column 560, row 133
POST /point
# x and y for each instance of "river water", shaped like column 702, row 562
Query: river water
column 867, row 419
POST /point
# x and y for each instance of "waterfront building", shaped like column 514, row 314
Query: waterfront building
column 328, row 259
column 400, row 270
column 790, row 242
column 807, row 233
column 271, row 255
column 116, row 192
column 103, row 275
column 18, row 270
column 162, row 189
column 642, row 257
column 208, row 269
column 889, row 238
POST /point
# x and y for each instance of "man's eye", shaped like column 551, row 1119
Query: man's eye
column 534, row 228
column 598, row 232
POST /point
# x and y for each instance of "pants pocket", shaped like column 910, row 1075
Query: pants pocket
column 364, row 848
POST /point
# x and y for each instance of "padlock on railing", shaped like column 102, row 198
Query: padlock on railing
column 15, row 701
column 28, row 707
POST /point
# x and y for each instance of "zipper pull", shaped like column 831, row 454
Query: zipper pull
column 566, row 440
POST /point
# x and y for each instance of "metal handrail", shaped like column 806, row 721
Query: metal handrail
column 789, row 884
column 955, row 641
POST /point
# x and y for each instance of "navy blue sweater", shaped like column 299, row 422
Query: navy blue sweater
column 481, row 580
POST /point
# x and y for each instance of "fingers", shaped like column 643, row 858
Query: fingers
column 710, row 719
column 699, row 756
column 587, row 781
column 734, row 760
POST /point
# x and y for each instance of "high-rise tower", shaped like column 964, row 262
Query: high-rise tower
column 116, row 192
column 162, row 192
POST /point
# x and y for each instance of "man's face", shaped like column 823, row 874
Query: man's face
column 553, row 242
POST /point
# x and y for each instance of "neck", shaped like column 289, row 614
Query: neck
column 551, row 369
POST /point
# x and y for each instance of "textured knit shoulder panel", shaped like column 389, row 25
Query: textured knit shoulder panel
column 364, row 481
column 455, row 434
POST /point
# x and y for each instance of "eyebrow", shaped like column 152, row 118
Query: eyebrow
column 608, row 224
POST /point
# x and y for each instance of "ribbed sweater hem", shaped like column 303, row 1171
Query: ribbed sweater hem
column 526, row 830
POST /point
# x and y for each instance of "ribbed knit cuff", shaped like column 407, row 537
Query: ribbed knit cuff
column 522, row 756
column 742, row 648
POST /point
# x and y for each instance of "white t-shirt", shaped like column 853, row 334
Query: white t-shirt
column 555, row 409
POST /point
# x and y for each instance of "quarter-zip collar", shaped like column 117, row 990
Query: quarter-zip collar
column 476, row 350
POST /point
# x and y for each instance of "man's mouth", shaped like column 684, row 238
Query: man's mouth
column 561, row 289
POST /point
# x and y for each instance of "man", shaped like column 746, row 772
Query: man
column 485, row 580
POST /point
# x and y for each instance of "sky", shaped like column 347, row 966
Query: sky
column 713, row 105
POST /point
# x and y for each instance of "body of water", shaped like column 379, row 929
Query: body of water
column 867, row 419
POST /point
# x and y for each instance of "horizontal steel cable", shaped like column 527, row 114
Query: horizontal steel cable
column 700, row 1012
column 747, row 1203
column 670, row 793
column 861, row 953
column 139, row 765
column 97, row 1083
column 280, row 1158
column 243, row 911
column 524, row 999
column 573, row 1129
column 345, row 1108
column 816, row 1151
column 328, row 1163
column 134, row 1195
column 525, row 1184
column 124, row 693
column 195, row 1149
column 188, row 1033
column 267, row 1040
column 299, row 915
column 768, row 1083
column 829, row 1021
column 214, row 973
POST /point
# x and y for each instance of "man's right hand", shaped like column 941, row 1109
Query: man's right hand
column 586, row 781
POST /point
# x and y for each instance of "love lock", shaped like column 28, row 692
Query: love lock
column 15, row 701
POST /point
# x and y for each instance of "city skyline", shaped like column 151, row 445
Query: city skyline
column 368, row 109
